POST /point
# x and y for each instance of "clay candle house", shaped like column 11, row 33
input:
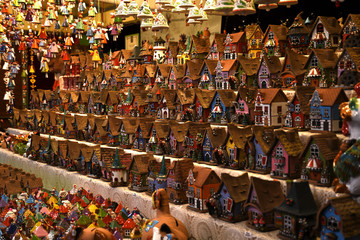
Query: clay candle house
column 325, row 33
column 260, row 146
column 230, row 198
column 318, row 155
column 268, row 72
column 202, row 184
column 339, row 219
column 138, row 172
column 297, row 213
column 285, row 161
column 263, row 197
column 275, row 40
column 176, row 180
column 212, row 142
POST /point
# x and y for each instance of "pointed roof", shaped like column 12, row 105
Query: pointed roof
column 141, row 162
column 163, row 171
column 297, row 62
column 173, row 48
column 229, row 65
column 327, row 142
column 355, row 18
column 202, row 175
column 210, row 64
column 270, row 94
column 331, row 24
column 116, row 163
column 238, row 187
column 240, row 136
column 326, row 57
column 201, row 44
column 251, row 29
column 330, row 96
column 269, row 194
column 290, row 140
column 265, row 136
column 273, row 64
column 354, row 53
column 217, row 136
column 181, row 169
column 219, row 39
column 303, row 203
column 250, row 65
column 186, row 96
column 204, row 96
column 279, row 31
column 304, row 95
column 227, row 97
column 298, row 26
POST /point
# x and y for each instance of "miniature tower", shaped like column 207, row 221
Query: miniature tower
column 159, row 50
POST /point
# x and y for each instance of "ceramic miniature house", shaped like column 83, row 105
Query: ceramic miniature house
column 263, row 197
column 298, row 35
column 298, row 113
column 339, row 219
column 350, row 31
column 247, row 72
column 297, row 213
column 235, row 45
column 325, row 33
column 285, row 161
column 320, row 68
column 270, row 105
column 221, row 105
column 260, row 146
column 176, row 181
column 199, row 47
column 244, row 106
column 217, row 47
column 212, row 142
column 236, row 146
column 275, row 40
column 254, row 37
column 138, row 171
column 292, row 73
column 202, row 184
column 157, row 177
column 268, row 72
column 120, row 168
column 347, row 63
column 228, row 202
column 324, row 109
column 318, row 155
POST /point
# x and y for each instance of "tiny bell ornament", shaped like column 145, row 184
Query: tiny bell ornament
column 160, row 23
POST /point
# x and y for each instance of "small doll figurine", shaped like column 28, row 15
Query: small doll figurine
column 64, row 10
column 95, row 56
column 69, row 41
column 104, row 38
column 15, row 68
column 10, row 55
column 92, row 10
column 54, row 48
column 22, row 46
column 81, row 6
column 42, row 34
column 29, row 14
column 65, row 23
column 44, row 65
column 19, row 16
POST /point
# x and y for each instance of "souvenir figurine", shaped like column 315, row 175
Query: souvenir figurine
column 44, row 65
column 92, row 10
column 81, row 6
column 95, row 56
column 163, row 224
column 69, row 41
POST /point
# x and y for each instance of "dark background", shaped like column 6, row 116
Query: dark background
column 310, row 8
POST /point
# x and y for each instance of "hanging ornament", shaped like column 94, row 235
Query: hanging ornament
column 244, row 7
column 95, row 56
column 267, row 7
column 42, row 34
column 287, row 3
column 210, row 6
column 160, row 23
column 121, row 10
column 69, row 41
column 204, row 16
column 133, row 9
column 337, row 2
column 186, row 4
column 224, row 7
column 81, row 6
column 265, row 1
column 44, row 65
column 54, row 48
column 193, row 21
column 168, row 6
column 162, row 2
column 144, row 11
column 114, row 32
column 92, row 10
column 194, row 13
column 146, row 23
column 177, row 8
column 80, row 28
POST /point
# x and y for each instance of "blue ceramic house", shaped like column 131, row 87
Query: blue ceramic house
column 207, row 74
column 231, row 197
column 221, row 104
column 324, row 109
column 213, row 139
column 260, row 146
column 339, row 219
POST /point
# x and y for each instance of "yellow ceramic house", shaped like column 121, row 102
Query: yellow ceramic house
column 254, row 37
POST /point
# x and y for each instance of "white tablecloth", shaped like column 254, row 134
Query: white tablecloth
column 200, row 225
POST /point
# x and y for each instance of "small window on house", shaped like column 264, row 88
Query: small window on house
column 279, row 109
column 326, row 113
column 332, row 224
column 353, row 28
column 314, row 62
column 242, row 106
column 287, row 223
column 289, row 81
column 279, row 120
column 198, row 193
column 279, row 152
column 264, row 71
column 320, row 28
column 218, row 100
column 253, row 42
column 349, row 64
column 314, row 151
column 288, row 66
column 341, row 65
column 271, row 35
column 347, row 30
column 297, row 108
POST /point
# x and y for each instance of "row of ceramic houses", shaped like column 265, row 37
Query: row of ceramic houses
column 300, row 107
column 260, row 202
column 320, row 68
column 261, row 149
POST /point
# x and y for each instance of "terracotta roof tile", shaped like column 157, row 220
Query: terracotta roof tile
column 203, row 174
column 141, row 162
column 330, row 96
column 219, row 39
column 173, row 48
column 270, row 94
column 279, row 31
column 229, row 65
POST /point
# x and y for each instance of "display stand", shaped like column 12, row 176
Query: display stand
column 200, row 225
